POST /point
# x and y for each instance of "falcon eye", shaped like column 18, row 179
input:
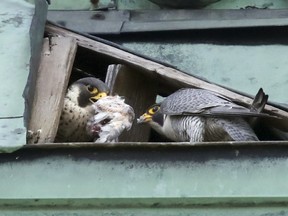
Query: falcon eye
column 92, row 90
column 153, row 110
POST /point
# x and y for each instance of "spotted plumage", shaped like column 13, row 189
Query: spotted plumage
column 197, row 115
column 77, row 109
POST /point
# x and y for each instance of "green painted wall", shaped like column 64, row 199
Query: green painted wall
column 244, row 68
column 15, row 21
column 130, row 180
column 65, row 177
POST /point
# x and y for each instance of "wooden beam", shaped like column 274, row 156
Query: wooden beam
column 57, row 59
column 139, row 91
column 37, row 29
column 161, row 71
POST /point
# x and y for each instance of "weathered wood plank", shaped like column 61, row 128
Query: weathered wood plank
column 139, row 92
column 57, row 59
column 161, row 71
column 36, row 41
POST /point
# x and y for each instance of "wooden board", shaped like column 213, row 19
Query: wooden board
column 36, row 41
column 171, row 75
column 57, row 59
column 139, row 92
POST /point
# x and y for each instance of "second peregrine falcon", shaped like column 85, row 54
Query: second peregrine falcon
column 198, row 115
column 77, row 109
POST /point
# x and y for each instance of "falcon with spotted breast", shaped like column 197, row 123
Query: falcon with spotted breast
column 77, row 109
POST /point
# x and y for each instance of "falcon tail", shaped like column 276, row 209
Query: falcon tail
column 258, row 105
column 259, row 101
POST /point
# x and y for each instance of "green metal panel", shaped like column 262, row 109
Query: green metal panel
column 135, row 5
column 12, row 134
column 86, row 5
column 236, row 4
column 15, row 21
column 141, row 171
column 133, row 207
column 145, row 4
column 146, row 179
column 67, row 4
column 242, row 67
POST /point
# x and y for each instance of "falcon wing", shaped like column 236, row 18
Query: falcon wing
column 207, row 103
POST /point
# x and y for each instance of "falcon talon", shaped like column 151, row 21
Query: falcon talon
column 33, row 135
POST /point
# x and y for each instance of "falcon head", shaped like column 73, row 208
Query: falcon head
column 86, row 91
column 158, row 121
column 152, row 116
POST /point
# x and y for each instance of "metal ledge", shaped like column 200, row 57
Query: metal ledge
column 124, row 21
column 146, row 179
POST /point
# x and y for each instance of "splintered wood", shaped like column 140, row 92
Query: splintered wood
column 57, row 59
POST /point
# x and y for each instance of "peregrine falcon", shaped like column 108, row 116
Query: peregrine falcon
column 198, row 115
column 77, row 109
column 112, row 115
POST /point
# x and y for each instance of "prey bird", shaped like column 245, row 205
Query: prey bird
column 112, row 116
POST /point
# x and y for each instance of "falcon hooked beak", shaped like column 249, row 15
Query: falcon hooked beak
column 88, row 90
column 95, row 98
column 154, row 117
column 152, row 114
